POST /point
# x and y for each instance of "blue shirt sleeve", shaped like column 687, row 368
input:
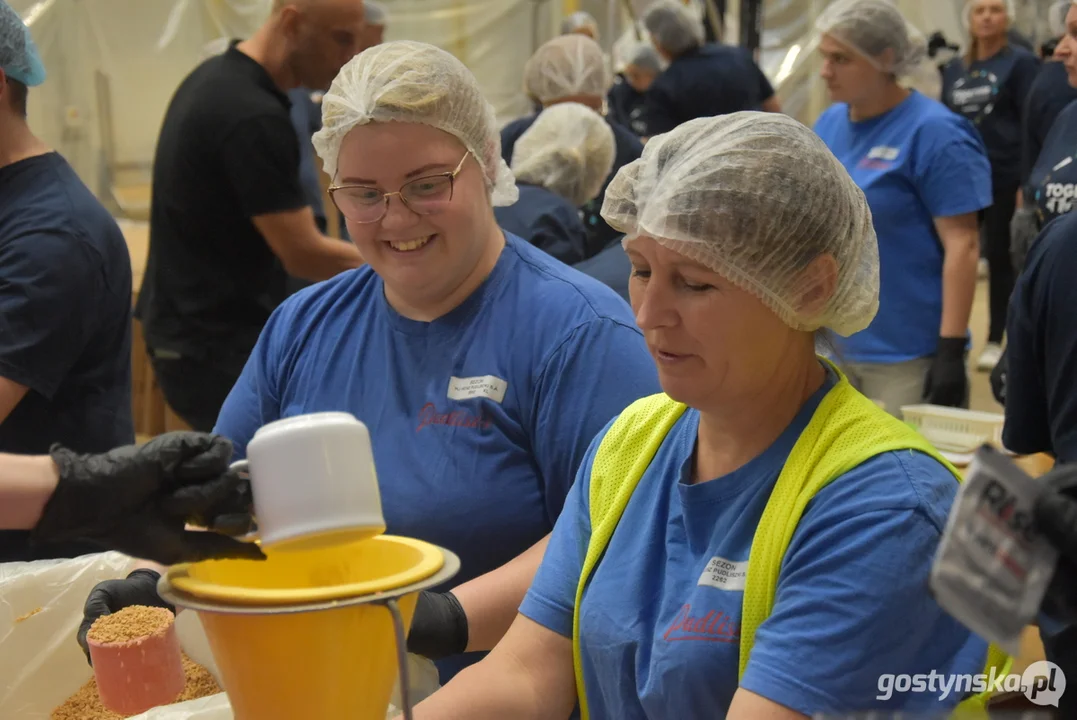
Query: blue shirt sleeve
column 551, row 600
column 255, row 398
column 1041, row 381
column 855, row 584
column 952, row 172
column 602, row 365
column 50, row 285
column 559, row 232
column 1026, row 68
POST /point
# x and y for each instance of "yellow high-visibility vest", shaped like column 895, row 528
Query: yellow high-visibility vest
column 845, row 431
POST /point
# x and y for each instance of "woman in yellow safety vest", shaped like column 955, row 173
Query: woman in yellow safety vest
column 756, row 540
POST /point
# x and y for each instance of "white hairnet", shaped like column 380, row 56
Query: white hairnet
column 645, row 57
column 19, row 58
column 871, row 27
column 373, row 13
column 756, row 197
column 567, row 66
column 673, row 27
column 569, row 150
column 579, row 21
column 1056, row 16
column 413, row 82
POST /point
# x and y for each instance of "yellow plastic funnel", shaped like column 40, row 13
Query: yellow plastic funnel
column 306, row 634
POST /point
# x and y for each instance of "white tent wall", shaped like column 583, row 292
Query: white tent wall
column 113, row 65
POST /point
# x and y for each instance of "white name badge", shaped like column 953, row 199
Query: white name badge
column 724, row 574
column 486, row 386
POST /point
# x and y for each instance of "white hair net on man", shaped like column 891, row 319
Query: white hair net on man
column 756, row 197
column 19, row 58
column 566, row 66
column 578, row 21
column 673, row 27
column 568, row 150
column 413, row 82
column 871, row 27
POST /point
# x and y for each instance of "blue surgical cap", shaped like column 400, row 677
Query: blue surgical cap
column 19, row 58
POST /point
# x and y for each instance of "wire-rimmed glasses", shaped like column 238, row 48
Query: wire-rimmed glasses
column 423, row 196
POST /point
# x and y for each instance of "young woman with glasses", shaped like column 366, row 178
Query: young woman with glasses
column 482, row 366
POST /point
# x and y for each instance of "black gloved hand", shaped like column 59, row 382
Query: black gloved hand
column 438, row 627
column 947, row 382
column 998, row 379
column 1024, row 228
column 1056, row 518
column 136, row 499
column 139, row 588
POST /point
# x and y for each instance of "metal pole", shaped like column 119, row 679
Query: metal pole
column 751, row 25
column 401, row 657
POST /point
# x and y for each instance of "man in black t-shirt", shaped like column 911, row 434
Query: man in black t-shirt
column 65, row 296
column 229, row 220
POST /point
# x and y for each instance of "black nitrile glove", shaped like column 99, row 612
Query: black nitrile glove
column 947, row 382
column 136, row 499
column 1056, row 519
column 998, row 379
column 1024, row 227
column 139, row 588
column 438, row 627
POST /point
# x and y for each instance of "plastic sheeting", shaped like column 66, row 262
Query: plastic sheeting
column 113, row 65
column 42, row 665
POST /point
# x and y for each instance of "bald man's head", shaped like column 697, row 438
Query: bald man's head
column 320, row 36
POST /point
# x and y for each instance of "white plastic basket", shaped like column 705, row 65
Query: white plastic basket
column 954, row 429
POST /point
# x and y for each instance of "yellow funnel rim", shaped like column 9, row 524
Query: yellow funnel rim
column 431, row 561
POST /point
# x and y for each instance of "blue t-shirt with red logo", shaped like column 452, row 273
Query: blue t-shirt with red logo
column 915, row 163
column 479, row 420
column 660, row 620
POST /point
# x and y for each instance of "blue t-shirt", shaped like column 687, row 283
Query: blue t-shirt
column 65, row 322
column 991, row 94
column 914, row 163
column 1041, row 379
column 1051, row 92
column 1052, row 183
column 484, row 476
column 611, row 267
column 628, row 148
column 661, row 615
column 627, row 106
column 547, row 221
column 711, row 80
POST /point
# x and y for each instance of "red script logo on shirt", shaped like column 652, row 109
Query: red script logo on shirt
column 429, row 415
column 715, row 626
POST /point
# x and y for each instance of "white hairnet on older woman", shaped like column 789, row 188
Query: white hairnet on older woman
column 412, row 82
column 673, row 27
column 578, row 21
column 644, row 56
column 569, row 150
column 756, row 197
column 566, row 66
column 871, row 27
